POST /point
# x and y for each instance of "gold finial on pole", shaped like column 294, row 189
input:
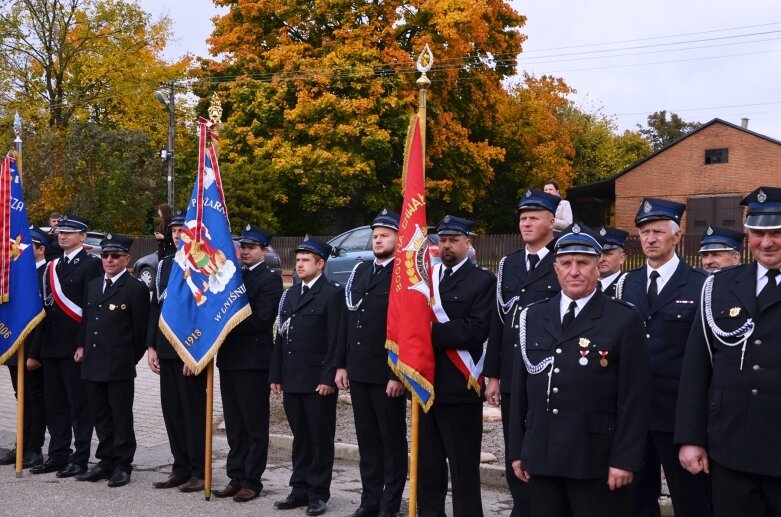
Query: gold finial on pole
column 215, row 110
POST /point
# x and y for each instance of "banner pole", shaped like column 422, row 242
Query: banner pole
column 425, row 60
column 207, row 466
column 20, row 366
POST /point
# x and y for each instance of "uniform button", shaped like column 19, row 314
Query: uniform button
column 756, row 367
column 366, row 293
column 515, row 346
column 362, row 310
column 517, row 326
column 523, row 290
column 648, row 336
column 678, row 316
column 96, row 332
column 555, row 370
column 94, row 345
column 358, row 343
column 755, row 392
column 757, row 341
column 555, row 390
column 558, row 350
column 555, row 411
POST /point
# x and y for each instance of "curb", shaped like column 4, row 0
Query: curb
column 490, row 475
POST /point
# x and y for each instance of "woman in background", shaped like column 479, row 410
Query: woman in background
column 564, row 211
column 165, row 243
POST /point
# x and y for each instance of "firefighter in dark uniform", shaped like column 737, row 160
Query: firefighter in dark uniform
column 611, row 279
column 243, row 361
column 728, row 419
column 34, row 430
column 580, row 394
column 303, row 367
column 451, row 431
column 112, row 339
column 525, row 276
column 720, row 248
column 666, row 291
column 182, row 397
column 378, row 401
column 65, row 399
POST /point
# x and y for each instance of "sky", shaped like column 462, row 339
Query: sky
column 700, row 59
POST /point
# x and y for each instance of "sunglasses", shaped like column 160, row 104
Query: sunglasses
column 115, row 256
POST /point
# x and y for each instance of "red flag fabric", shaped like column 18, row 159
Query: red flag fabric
column 410, row 353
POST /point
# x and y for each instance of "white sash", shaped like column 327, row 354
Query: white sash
column 67, row 305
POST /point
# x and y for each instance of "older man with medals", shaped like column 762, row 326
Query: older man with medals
column 580, row 392
column 728, row 420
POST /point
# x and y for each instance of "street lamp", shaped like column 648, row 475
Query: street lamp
column 168, row 154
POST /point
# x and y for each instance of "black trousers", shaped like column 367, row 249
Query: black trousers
column 743, row 493
column 690, row 494
column 111, row 405
column 67, row 412
column 553, row 496
column 518, row 489
column 183, row 400
column 381, row 429
column 450, row 434
column 312, row 419
column 246, row 408
column 34, row 431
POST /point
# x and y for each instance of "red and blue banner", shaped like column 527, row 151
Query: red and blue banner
column 21, row 308
column 410, row 353
column 206, row 296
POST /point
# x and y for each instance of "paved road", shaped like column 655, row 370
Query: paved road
column 46, row 495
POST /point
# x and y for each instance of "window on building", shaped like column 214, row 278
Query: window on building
column 716, row 156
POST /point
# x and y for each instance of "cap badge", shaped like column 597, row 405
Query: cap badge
column 647, row 207
column 384, row 211
column 446, row 219
column 761, row 196
column 306, row 238
column 709, row 231
column 576, row 228
column 602, row 232
column 528, row 193
column 64, row 217
column 734, row 311
column 109, row 236
column 248, row 227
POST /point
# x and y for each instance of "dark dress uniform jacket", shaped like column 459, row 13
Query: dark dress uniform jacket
column 154, row 336
column 530, row 287
column 610, row 290
column 304, row 355
column 62, row 332
column 667, row 326
column 597, row 415
column 468, row 299
column 113, row 329
column 735, row 413
column 362, row 350
column 249, row 344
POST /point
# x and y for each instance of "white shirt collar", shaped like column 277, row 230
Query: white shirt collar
column 454, row 268
column 384, row 262
column 666, row 271
column 253, row 266
column 73, row 253
column 762, row 279
column 609, row 280
column 581, row 302
column 542, row 253
column 40, row 263
column 310, row 283
column 115, row 277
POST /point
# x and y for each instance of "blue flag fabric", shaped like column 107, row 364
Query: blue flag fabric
column 206, row 296
column 21, row 308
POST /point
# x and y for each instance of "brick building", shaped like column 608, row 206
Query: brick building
column 710, row 169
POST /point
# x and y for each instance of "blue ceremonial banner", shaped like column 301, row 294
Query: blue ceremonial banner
column 21, row 308
column 206, row 296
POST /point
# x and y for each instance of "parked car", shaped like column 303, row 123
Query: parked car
column 355, row 246
column 145, row 268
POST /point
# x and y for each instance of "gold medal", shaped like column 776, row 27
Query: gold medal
column 111, row 306
column 603, row 362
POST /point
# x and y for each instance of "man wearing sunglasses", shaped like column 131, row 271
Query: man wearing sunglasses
column 112, row 339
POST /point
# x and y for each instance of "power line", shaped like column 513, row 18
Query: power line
column 704, row 109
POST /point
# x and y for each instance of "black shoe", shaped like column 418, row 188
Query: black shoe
column 171, row 482
column 32, row 459
column 316, row 507
column 192, row 485
column 388, row 514
column 9, row 458
column 291, row 502
column 120, row 478
column 96, row 473
column 363, row 512
column 50, row 465
column 70, row 470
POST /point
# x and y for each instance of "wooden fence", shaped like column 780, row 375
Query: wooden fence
column 490, row 249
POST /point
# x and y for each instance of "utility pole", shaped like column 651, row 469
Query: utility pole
column 168, row 154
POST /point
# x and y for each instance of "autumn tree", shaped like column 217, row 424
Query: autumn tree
column 87, row 68
column 660, row 131
column 318, row 96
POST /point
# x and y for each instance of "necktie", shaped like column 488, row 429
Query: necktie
column 653, row 289
column 377, row 269
column 65, row 260
column 304, row 290
column 569, row 316
column 765, row 295
column 109, row 283
column 533, row 260
column 446, row 276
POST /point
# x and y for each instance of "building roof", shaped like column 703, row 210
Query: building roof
column 606, row 188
